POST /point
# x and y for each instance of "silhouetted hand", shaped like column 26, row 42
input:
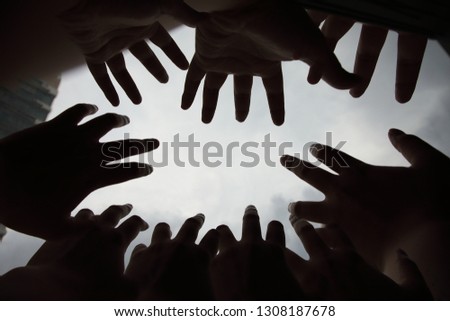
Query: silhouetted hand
column 174, row 269
column 376, row 206
column 103, row 29
column 253, row 41
column 253, row 268
column 335, row 271
column 87, row 265
column 411, row 49
column 47, row 170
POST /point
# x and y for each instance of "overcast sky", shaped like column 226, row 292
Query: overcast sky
column 172, row 194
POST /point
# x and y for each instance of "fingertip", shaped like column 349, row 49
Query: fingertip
column 200, row 217
column 291, row 207
column 145, row 226
column 402, row 98
column 186, row 101
column 154, row 143
column 357, row 92
column 206, row 120
column 251, row 209
column 394, row 135
column 394, row 132
column 136, row 100
column 287, row 161
column 278, row 122
column 92, row 109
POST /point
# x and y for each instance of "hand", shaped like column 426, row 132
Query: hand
column 251, row 42
column 174, row 269
column 47, row 170
column 253, row 269
column 368, row 201
column 87, row 265
column 411, row 49
column 103, row 29
column 335, row 271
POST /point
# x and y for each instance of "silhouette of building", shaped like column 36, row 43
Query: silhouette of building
column 26, row 104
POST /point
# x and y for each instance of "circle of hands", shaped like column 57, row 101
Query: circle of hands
column 83, row 257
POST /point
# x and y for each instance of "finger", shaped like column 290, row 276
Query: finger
column 371, row 41
column 120, row 149
column 194, row 76
column 161, row 233
column 131, row 228
column 226, row 237
column 119, row 70
column 312, row 211
column 411, row 278
column 107, row 175
column 315, row 74
column 210, row 242
column 75, row 114
column 138, row 249
column 417, row 152
column 189, row 230
column 101, row 77
column 335, row 238
column 84, row 215
column 242, row 94
column 100, row 126
column 146, row 56
column 113, row 214
column 275, row 234
column 185, row 14
column 213, row 82
column 411, row 49
column 334, row 28
column 275, row 95
column 335, row 159
column 251, row 229
column 316, row 177
column 313, row 244
column 163, row 40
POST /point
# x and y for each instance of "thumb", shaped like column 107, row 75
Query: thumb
column 417, row 152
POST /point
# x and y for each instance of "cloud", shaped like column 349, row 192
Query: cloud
column 172, row 193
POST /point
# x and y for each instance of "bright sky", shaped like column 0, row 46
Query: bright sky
column 172, row 194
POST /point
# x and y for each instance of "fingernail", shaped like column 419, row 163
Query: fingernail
column 129, row 206
column 251, row 210
column 148, row 170
column 92, row 109
column 315, row 148
column 145, row 226
column 293, row 219
column 287, row 160
column 201, row 217
column 394, row 132
column 291, row 207
column 126, row 119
